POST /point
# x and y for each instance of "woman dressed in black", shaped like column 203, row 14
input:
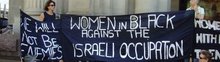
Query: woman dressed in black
column 49, row 16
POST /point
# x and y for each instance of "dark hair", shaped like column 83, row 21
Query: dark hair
column 48, row 4
column 207, row 54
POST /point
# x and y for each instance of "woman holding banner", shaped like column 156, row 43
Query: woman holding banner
column 49, row 16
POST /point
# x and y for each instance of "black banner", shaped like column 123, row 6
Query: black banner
column 207, row 38
column 39, row 40
column 161, row 36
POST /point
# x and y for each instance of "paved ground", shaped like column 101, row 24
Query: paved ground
column 9, row 59
column 8, row 46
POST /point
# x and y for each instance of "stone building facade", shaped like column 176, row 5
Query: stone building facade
column 89, row 7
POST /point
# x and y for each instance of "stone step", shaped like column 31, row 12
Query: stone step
column 9, row 59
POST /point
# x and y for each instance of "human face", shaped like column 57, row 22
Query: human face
column 51, row 6
column 193, row 2
column 202, row 56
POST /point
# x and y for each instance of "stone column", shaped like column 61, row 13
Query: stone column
column 106, row 7
column 131, row 6
column 143, row 6
column 14, row 15
column 164, row 5
column 59, row 6
column 97, row 7
column 79, row 7
column 101, row 7
column 119, row 7
column 34, row 7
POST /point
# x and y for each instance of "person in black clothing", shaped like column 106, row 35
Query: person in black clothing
column 49, row 14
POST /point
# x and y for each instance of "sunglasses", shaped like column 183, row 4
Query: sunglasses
column 51, row 5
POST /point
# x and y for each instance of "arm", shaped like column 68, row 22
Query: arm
column 200, row 16
column 200, row 13
column 41, row 17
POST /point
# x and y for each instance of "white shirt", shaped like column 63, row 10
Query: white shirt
column 200, row 10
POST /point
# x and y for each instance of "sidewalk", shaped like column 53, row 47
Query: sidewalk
column 9, row 46
column 9, row 59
